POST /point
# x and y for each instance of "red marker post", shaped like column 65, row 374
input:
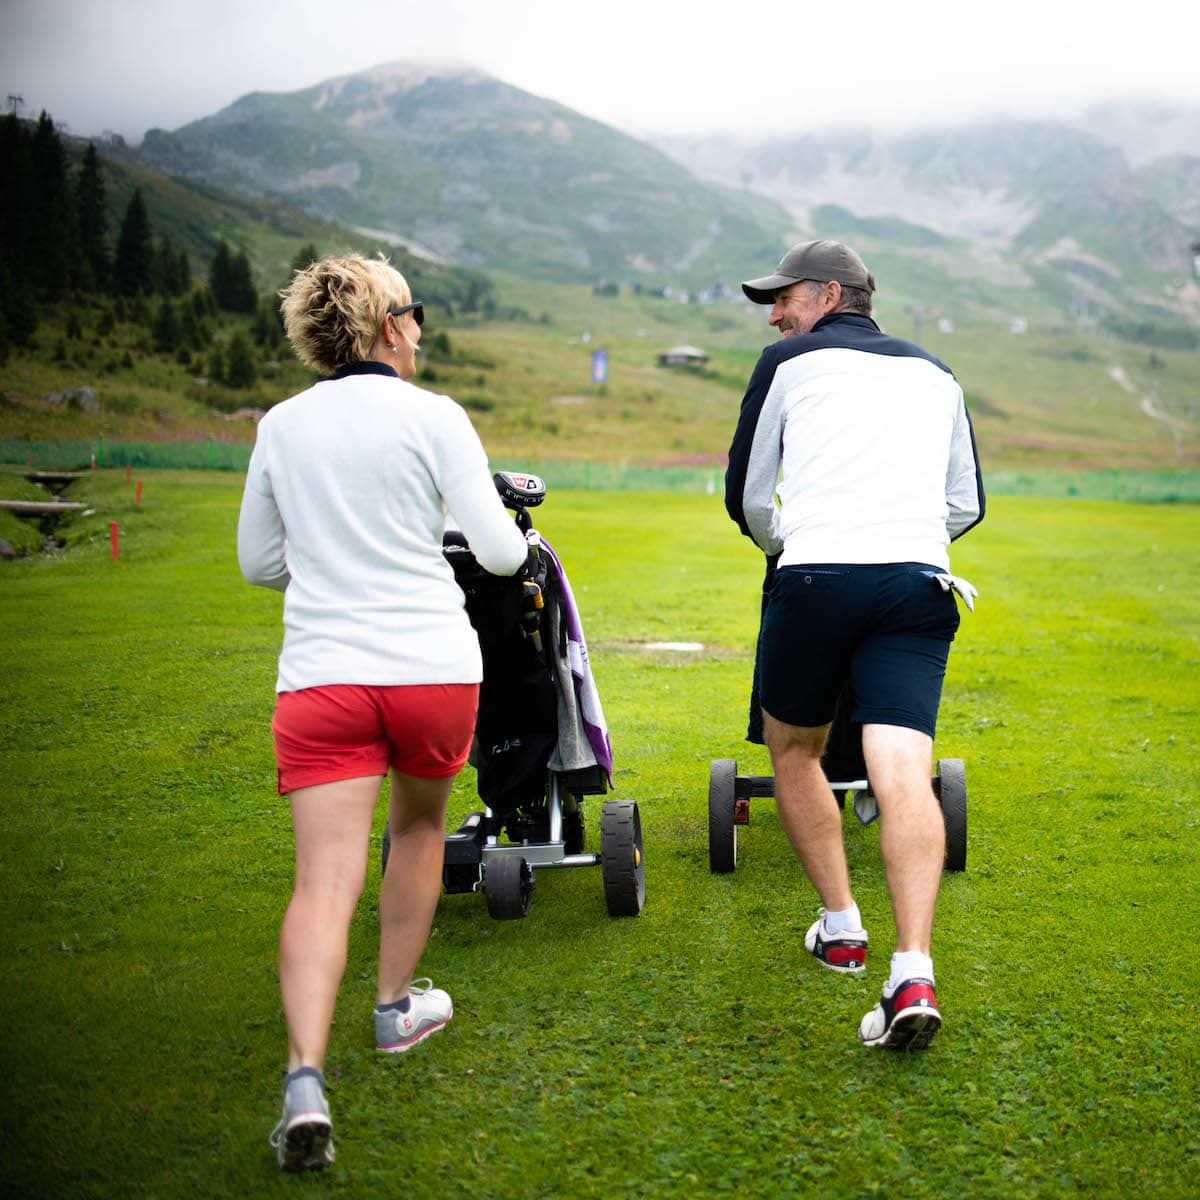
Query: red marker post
column 138, row 500
column 127, row 470
column 115, row 549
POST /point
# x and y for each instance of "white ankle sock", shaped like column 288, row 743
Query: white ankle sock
column 847, row 918
column 909, row 964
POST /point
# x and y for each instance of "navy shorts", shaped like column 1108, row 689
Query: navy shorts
column 884, row 627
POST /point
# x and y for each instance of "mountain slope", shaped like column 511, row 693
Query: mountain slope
column 195, row 214
column 1038, row 206
column 460, row 166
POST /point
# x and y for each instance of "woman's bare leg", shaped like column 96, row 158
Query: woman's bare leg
column 412, row 882
column 332, row 824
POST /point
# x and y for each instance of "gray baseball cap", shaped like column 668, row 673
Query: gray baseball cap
column 818, row 261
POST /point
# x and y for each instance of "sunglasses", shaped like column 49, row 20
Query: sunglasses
column 417, row 308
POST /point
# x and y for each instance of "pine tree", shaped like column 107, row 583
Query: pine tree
column 172, row 271
column 93, row 222
column 216, row 364
column 166, row 328
column 54, row 252
column 242, row 296
column 183, row 273
column 305, row 257
column 219, row 272
column 203, row 304
column 268, row 327
column 18, row 315
column 16, row 198
column 240, row 370
column 232, row 281
column 133, row 265
column 193, row 329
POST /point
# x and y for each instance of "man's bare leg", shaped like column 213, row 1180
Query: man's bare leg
column 807, row 809
column 912, row 837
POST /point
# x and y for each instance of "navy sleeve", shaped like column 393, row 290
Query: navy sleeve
column 743, row 438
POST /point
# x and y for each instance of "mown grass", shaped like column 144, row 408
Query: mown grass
column 692, row 1051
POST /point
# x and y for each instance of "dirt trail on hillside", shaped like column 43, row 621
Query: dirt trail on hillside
column 1176, row 426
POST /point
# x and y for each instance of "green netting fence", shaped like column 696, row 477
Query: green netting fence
column 100, row 452
column 1164, row 487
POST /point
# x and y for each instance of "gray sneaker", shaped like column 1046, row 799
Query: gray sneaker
column 303, row 1138
column 428, row 1011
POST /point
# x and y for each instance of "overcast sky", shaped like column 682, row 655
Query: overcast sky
column 645, row 66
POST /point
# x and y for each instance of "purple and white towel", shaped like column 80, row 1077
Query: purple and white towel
column 587, row 715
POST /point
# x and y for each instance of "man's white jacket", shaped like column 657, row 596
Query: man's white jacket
column 866, row 442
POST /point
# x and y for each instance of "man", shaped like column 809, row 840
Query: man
column 879, row 473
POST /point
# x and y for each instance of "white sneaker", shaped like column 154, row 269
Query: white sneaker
column 845, row 951
column 428, row 1011
column 906, row 1017
column 303, row 1138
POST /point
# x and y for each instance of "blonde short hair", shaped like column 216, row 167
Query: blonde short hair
column 333, row 310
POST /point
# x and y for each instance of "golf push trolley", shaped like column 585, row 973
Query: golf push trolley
column 541, row 745
column 729, row 794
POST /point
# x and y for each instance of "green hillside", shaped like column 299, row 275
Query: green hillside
column 1048, row 400
column 475, row 171
column 195, row 215
column 517, row 351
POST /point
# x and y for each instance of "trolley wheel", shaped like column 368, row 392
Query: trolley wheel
column 722, row 832
column 507, row 883
column 387, row 847
column 621, row 859
column 950, row 786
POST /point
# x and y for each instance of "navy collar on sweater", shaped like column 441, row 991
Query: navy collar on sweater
column 367, row 367
column 852, row 317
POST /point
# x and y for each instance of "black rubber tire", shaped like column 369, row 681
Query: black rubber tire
column 950, row 787
column 622, row 862
column 722, row 832
column 387, row 847
column 507, row 885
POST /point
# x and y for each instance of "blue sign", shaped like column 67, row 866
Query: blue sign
column 599, row 366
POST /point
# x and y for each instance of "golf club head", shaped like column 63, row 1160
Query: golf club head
column 518, row 490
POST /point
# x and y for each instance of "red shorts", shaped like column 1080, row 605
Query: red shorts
column 347, row 730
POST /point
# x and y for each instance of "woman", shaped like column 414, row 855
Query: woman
column 344, row 507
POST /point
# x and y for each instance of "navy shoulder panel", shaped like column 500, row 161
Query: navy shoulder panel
column 849, row 331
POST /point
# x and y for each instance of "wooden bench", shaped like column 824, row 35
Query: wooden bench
column 39, row 508
column 54, row 476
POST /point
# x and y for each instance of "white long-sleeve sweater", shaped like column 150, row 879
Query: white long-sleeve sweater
column 343, row 511
column 875, row 445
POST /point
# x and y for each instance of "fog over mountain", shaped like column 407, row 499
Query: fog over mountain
column 1093, row 218
column 1102, row 211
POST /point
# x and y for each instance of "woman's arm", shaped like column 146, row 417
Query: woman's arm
column 261, row 537
column 466, row 486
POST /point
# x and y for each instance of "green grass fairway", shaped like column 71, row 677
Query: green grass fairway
column 692, row 1052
